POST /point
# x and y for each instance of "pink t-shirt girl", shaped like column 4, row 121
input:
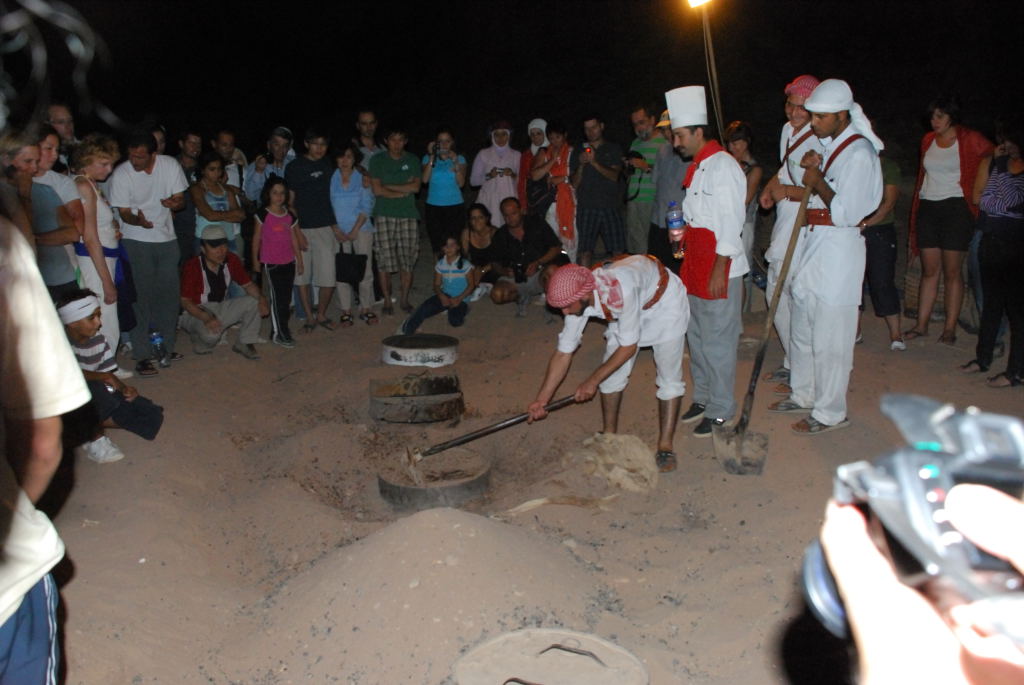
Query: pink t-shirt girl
column 276, row 238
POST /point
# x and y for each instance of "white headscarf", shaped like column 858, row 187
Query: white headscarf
column 834, row 95
column 543, row 127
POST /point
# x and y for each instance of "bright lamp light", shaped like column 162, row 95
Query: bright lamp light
column 698, row 3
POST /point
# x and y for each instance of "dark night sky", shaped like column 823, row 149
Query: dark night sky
column 465, row 63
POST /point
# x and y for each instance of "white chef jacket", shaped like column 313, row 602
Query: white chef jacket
column 716, row 200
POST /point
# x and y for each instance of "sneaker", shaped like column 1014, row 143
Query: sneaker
column 165, row 362
column 260, row 340
column 101, row 450
column 706, row 425
column 898, row 346
column 695, row 412
column 284, row 341
column 123, row 373
column 247, row 350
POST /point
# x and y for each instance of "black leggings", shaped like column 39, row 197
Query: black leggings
column 1002, row 280
column 280, row 277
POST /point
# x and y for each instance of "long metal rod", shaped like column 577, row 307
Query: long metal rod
column 709, row 52
column 493, row 428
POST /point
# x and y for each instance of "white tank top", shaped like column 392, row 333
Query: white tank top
column 104, row 218
column 941, row 172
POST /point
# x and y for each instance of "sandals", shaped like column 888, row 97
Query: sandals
column 779, row 375
column 146, row 368
column 783, row 390
column 786, row 406
column 913, row 334
column 947, row 339
column 973, row 366
column 345, row 321
column 811, row 426
column 1004, row 380
column 308, row 327
column 665, row 460
column 370, row 318
column 329, row 325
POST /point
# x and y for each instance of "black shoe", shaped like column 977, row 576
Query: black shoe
column 695, row 411
column 704, row 428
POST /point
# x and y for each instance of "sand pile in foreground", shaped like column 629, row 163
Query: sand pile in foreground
column 399, row 606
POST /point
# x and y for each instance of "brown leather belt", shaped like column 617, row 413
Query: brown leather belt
column 658, row 292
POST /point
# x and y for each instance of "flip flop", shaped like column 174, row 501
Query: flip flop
column 783, row 390
column 912, row 334
column 345, row 321
column 329, row 325
column 948, row 340
column 370, row 318
column 666, row 460
column 308, row 327
column 1003, row 380
column 973, row 366
column 787, row 406
column 811, row 426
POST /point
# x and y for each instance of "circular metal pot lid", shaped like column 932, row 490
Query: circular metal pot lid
column 552, row 656
column 420, row 349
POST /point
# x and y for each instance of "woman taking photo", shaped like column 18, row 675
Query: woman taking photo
column 444, row 172
column 352, row 202
column 495, row 169
column 551, row 164
column 943, row 214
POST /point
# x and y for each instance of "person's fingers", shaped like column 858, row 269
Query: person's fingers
column 990, row 518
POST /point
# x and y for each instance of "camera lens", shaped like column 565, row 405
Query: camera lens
column 820, row 591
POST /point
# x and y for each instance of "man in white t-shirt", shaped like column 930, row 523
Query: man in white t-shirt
column 41, row 381
column 145, row 190
column 645, row 306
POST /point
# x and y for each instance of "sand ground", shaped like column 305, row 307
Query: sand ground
column 248, row 543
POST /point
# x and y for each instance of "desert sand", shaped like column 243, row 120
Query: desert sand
column 249, row 544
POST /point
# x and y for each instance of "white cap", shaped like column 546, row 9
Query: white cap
column 687, row 106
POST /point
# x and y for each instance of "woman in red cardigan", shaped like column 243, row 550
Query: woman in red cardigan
column 943, row 214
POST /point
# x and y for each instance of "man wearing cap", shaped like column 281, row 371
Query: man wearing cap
column 208, row 310
column 714, row 263
column 669, row 171
column 783, row 192
column 640, row 166
column 846, row 179
column 644, row 305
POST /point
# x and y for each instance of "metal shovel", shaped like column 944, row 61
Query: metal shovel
column 744, row 454
column 413, row 457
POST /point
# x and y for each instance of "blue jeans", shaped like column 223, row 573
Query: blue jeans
column 431, row 307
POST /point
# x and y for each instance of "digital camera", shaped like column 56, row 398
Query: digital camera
column 902, row 495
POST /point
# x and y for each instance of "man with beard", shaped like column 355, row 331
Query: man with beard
column 714, row 263
column 846, row 179
column 640, row 166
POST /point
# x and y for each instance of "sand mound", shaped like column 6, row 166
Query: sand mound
column 622, row 460
column 400, row 605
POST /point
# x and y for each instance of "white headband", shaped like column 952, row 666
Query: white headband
column 78, row 309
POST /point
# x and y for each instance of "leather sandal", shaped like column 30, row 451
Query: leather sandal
column 665, row 460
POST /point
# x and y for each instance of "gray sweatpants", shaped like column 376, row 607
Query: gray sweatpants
column 157, row 293
column 244, row 310
column 713, row 336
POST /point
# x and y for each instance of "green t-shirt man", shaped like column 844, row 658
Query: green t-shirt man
column 641, row 183
column 391, row 171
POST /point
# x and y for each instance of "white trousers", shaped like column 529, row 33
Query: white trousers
column 668, row 363
column 821, row 350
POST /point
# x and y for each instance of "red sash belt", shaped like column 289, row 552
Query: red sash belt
column 819, row 217
column 699, row 245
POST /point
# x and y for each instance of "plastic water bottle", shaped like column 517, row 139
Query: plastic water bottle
column 676, row 225
column 674, row 217
column 156, row 341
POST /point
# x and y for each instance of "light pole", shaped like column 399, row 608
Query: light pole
column 709, row 58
